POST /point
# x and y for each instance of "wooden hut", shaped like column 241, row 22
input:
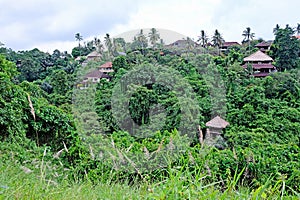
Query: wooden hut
column 215, row 127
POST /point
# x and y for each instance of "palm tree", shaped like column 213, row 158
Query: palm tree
column 217, row 40
column 78, row 38
column 203, row 39
column 153, row 36
column 98, row 44
column 108, row 43
column 248, row 36
column 277, row 27
column 142, row 39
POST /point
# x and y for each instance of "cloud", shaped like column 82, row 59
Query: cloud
column 27, row 23
column 32, row 23
column 184, row 17
column 232, row 17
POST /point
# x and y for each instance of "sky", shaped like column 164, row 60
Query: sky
column 52, row 24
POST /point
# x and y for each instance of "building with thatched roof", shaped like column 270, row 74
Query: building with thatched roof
column 261, row 64
column 215, row 127
column 94, row 56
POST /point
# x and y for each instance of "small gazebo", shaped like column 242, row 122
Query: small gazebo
column 215, row 127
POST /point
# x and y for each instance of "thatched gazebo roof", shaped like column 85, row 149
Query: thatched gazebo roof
column 257, row 57
column 217, row 122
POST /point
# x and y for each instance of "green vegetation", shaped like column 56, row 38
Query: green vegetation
column 58, row 141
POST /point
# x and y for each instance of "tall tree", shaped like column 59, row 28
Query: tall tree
column 78, row 38
column 217, row 40
column 277, row 27
column 108, row 43
column 248, row 36
column 141, row 38
column 153, row 37
column 203, row 39
column 98, row 44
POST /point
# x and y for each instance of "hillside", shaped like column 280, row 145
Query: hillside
column 133, row 120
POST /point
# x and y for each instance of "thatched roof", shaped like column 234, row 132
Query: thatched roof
column 264, row 44
column 94, row 74
column 93, row 54
column 258, row 56
column 217, row 122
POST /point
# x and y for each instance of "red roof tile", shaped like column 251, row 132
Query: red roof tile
column 106, row 65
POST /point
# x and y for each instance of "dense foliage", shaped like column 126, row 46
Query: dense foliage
column 169, row 95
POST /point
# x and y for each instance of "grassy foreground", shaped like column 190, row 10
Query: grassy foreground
column 17, row 182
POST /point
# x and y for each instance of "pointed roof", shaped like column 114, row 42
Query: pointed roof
column 264, row 44
column 258, row 56
column 217, row 122
column 94, row 54
column 94, row 74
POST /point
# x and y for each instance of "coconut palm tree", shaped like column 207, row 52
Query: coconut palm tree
column 153, row 37
column 217, row 40
column 78, row 38
column 142, row 39
column 248, row 36
column 98, row 44
column 277, row 27
column 108, row 44
column 203, row 39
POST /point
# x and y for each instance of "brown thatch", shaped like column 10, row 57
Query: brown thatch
column 217, row 122
column 258, row 57
column 94, row 54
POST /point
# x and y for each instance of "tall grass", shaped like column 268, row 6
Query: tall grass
column 39, row 178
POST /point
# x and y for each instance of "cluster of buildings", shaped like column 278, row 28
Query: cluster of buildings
column 259, row 62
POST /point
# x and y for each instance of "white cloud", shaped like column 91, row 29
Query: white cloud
column 184, row 17
column 44, row 24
